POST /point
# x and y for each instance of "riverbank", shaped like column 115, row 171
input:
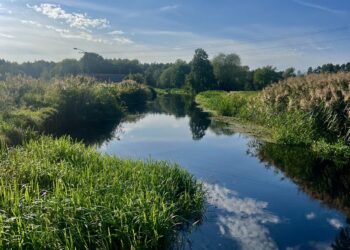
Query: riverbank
column 287, row 117
column 30, row 107
column 59, row 194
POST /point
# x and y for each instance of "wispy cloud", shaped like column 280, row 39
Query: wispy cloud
column 319, row 7
column 169, row 7
column 116, row 32
column 65, row 33
column 123, row 40
column 6, row 36
column 4, row 10
column 75, row 20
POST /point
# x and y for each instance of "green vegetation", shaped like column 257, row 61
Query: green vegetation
column 173, row 91
column 310, row 111
column 223, row 72
column 29, row 105
column 61, row 195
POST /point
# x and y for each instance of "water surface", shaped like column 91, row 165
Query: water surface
column 260, row 196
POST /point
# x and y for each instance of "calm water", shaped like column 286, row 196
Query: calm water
column 259, row 195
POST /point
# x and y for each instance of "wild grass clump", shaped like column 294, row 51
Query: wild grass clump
column 243, row 105
column 66, row 103
column 56, row 194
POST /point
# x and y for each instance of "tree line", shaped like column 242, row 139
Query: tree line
column 223, row 72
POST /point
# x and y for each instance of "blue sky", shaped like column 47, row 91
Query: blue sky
column 282, row 33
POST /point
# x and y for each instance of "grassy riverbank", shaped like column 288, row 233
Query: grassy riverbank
column 61, row 195
column 29, row 106
column 312, row 111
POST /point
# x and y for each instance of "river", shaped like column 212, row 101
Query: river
column 259, row 195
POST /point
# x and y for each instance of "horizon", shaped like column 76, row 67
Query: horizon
column 164, row 32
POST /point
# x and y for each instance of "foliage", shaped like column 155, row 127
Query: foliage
column 229, row 73
column 65, row 103
column 201, row 77
column 61, row 195
column 265, row 76
column 326, row 97
column 175, row 75
column 310, row 110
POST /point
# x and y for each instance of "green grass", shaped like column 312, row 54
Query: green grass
column 58, row 194
column 29, row 104
column 289, row 127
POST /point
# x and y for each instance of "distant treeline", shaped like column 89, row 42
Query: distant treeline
column 223, row 72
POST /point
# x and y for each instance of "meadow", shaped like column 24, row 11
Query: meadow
column 311, row 110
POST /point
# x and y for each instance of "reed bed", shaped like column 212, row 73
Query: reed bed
column 311, row 110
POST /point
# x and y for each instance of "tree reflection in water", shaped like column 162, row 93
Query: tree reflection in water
column 323, row 180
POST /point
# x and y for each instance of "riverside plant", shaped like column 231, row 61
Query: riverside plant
column 69, row 102
column 325, row 97
column 57, row 194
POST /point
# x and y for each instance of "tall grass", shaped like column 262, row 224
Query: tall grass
column 324, row 97
column 309, row 110
column 56, row 194
column 65, row 103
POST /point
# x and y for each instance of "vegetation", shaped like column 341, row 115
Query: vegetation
column 224, row 72
column 29, row 105
column 311, row 110
column 201, row 77
column 61, row 195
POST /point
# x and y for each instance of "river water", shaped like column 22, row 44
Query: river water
column 260, row 196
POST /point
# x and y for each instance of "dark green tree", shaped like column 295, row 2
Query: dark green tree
column 229, row 73
column 201, row 77
column 265, row 76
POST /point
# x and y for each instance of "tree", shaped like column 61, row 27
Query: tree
column 265, row 76
column 175, row 75
column 289, row 72
column 94, row 63
column 201, row 77
column 67, row 67
column 138, row 77
column 228, row 72
column 310, row 71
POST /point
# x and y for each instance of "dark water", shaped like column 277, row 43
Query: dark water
column 260, row 196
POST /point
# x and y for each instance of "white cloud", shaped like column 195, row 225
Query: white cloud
column 116, row 32
column 123, row 40
column 169, row 7
column 310, row 216
column 335, row 223
column 75, row 20
column 65, row 33
column 243, row 219
column 319, row 7
column 6, row 35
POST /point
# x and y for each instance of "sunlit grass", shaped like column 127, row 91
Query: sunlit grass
column 57, row 194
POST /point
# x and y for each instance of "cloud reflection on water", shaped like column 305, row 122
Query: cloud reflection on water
column 243, row 219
